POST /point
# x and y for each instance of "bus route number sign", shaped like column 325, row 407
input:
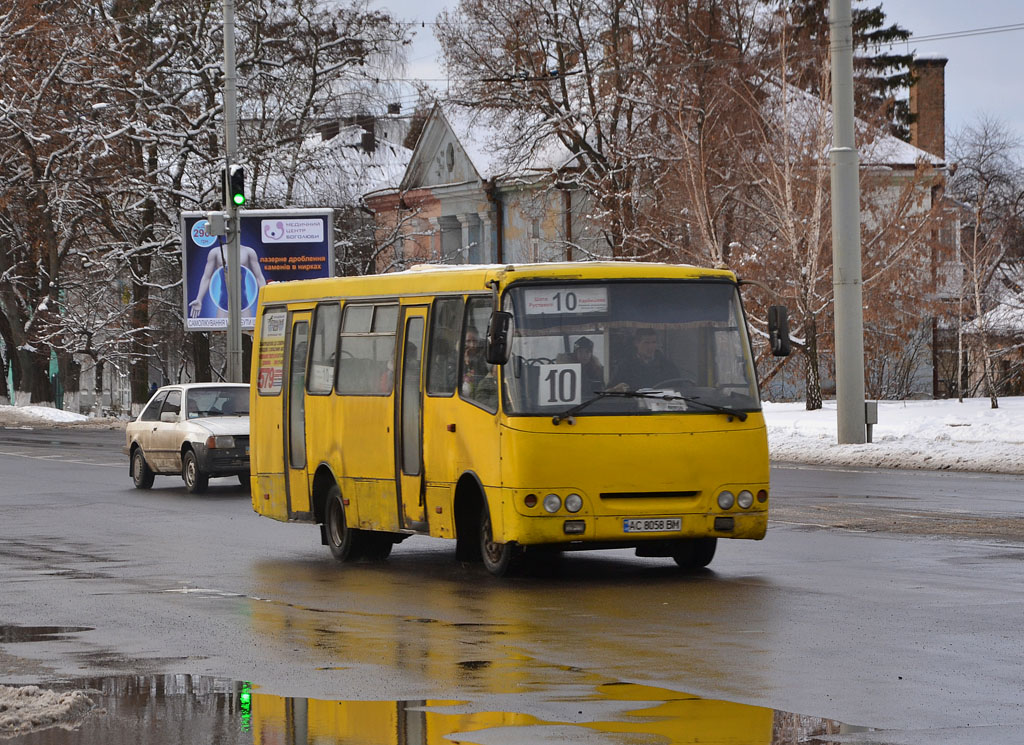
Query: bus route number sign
column 559, row 385
column 565, row 300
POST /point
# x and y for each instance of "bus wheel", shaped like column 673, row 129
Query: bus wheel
column 694, row 553
column 344, row 542
column 499, row 558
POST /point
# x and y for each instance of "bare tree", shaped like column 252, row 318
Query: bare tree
column 791, row 249
column 989, row 183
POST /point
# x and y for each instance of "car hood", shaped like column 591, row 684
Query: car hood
column 223, row 425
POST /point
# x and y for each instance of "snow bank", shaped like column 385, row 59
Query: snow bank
column 968, row 436
column 29, row 708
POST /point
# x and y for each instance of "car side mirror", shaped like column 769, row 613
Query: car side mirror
column 168, row 416
column 498, row 332
column 778, row 331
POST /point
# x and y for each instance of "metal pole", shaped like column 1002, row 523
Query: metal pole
column 233, row 269
column 846, row 256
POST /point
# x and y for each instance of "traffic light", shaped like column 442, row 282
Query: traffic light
column 234, row 186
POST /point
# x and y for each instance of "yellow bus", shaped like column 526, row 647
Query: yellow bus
column 522, row 410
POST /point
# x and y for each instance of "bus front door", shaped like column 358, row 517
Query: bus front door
column 409, row 423
column 295, row 415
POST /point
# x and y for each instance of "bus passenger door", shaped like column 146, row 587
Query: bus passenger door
column 409, row 423
column 295, row 415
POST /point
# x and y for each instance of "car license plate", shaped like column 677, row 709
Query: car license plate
column 652, row 524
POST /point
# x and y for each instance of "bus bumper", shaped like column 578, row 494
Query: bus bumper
column 604, row 531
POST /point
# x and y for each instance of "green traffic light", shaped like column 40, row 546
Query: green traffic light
column 238, row 199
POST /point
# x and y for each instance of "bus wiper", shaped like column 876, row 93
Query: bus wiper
column 557, row 418
column 597, row 397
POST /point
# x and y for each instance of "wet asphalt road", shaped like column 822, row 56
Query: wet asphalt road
column 915, row 633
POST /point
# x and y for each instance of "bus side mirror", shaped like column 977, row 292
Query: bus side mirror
column 778, row 330
column 498, row 331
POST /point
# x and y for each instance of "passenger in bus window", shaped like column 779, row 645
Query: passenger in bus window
column 647, row 366
column 474, row 368
column 591, row 369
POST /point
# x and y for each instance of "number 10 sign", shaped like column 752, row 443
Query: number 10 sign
column 559, row 384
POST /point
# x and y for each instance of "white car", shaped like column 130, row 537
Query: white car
column 196, row 430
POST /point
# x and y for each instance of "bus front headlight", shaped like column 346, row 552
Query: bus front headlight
column 745, row 499
column 574, row 503
column 552, row 503
column 726, row 500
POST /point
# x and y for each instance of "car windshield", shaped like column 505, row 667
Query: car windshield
column 628, row 347
column 215, row 401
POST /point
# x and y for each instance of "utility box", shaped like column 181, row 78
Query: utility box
column 870, row 416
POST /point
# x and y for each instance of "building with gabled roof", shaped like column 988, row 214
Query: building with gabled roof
column 459, row 203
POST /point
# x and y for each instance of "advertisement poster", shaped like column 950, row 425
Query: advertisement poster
column 276, row 246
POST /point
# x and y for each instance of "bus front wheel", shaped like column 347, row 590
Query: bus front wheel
column 343, row 541
column 694, row 553
column 499, row 558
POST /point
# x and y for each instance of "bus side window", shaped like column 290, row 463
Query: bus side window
column 479, row 382
column 443, row 366
column 325, row 341
column 366, row 350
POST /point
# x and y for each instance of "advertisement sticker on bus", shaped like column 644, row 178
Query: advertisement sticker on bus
column 271, row 368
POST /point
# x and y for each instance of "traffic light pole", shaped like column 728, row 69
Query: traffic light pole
column 233, row 268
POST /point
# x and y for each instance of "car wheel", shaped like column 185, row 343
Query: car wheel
column 694, row 553
column 499, row 558
column 346, row 543
column 142, row 474
column 243, row 479
column 195, row 480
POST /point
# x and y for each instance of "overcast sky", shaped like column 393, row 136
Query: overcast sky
column 984, row 76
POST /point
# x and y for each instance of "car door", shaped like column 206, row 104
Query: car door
column 166, row 437
column 143, row 429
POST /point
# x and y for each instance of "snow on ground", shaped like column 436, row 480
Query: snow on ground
column 25, row 709
column 968, row 436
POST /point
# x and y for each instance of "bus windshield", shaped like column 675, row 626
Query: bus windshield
column 628, row 347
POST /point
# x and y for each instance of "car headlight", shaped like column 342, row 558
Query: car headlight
column 552, row 502
column 220, row 442
column 744, row 499
column 574, row 503
column 725, row 500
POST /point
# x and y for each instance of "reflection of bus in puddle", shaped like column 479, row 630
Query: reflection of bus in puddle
column 621, row 712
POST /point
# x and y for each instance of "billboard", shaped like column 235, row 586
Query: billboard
column 276, row 246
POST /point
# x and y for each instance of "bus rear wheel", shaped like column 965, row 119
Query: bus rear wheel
column 499, row 558
column 345, row 543
column 694, row 553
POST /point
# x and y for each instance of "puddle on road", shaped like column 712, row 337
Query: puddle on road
column 172, row 709
column 16, row 634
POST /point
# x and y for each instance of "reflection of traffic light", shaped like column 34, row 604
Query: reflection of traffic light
column 234, row 186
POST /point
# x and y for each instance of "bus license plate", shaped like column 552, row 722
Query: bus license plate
column 652, row 524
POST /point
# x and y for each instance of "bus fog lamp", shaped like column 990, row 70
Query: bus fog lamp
column 574, row 527
column 574, row 503
column 745, row 499
column 552, row 503
column 726, row 500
